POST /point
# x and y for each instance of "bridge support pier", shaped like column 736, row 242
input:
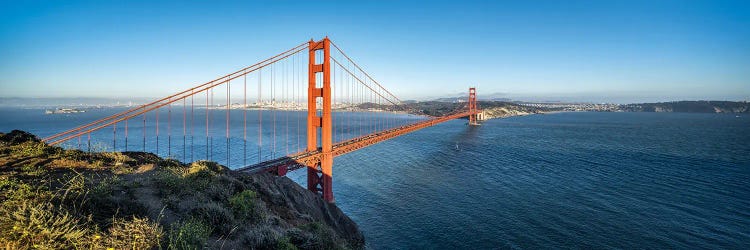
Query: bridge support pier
column 320, row 173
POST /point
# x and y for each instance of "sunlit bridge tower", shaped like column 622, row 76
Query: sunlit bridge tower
column 473, row 106
column 319, row 173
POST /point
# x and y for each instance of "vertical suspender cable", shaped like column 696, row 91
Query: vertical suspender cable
column 244, row 122
column 169, row 129
column 157, row 131
column 349, row 93
column 371, row 114
column 260, row 115
column 286, row 102
column 207, row 141
column 184, row 130
column 273, row 108
column 192, row 125
column 333, row 102
column 126, row 135
column 297, row 97
column 144, row 132
column 343, row 84
column 336, row 127
column 363, row 100
column 210, row 123
column 229, row 92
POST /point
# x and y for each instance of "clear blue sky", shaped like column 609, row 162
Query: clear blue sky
column 618, row 51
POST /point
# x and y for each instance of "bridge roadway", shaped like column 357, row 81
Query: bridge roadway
column 303, row 159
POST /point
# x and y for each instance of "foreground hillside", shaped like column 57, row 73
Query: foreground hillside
column 52, row 198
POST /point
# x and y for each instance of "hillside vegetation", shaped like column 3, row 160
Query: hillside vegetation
column 51, row 198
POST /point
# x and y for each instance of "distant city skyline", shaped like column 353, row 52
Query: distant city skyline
column 573, row 51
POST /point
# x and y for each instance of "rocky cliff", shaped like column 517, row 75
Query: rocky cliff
column 62, row 199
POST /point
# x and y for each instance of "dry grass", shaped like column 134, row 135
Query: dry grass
column 138, row 233
column 69, row 163
column 31, row 224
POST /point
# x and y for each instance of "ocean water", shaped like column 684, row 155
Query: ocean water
column 565, row 180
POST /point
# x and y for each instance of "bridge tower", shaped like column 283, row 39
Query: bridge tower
column 473, row 106
column 320, row 173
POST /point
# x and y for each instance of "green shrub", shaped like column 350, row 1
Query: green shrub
column 173, row 178
column 214, row 214
column 243, row 203
column 322, row 237
column 202, row 174
column 29, row 149
column 200, row 181
column 17, row 136
column 14, row 190
column 115, row 157
column 190, row 234
column 261, row 237
column 300, row 238
column 169, row 183
column 284, row 244
column 106, row 185
column 7, row 183
column 73, row 154
column 52, row 151
column 170, row 163
column 33, row 170
column 105, row 199
column 122, row 169
column 74, row 187
column 205, row 167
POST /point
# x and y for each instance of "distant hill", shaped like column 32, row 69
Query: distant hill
column 690, row 107
column 464, row 96
column 438, row 108
column 47, row 102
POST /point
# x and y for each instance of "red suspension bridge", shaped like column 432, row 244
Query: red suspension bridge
column 303, row 107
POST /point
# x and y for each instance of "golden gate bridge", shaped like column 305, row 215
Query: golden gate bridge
column 346, row 110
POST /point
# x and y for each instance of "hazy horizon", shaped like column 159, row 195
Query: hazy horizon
column 122, row 101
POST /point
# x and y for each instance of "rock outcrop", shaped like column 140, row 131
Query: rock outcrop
column 502, row 112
